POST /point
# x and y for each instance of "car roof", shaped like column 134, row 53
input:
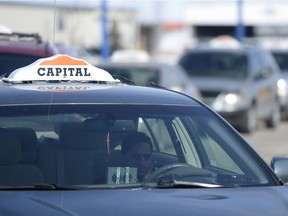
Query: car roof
column 41, row 50
column 25, row 86
column 65, row 93
column 204, row 48
column 224, row 43
column 26, row 44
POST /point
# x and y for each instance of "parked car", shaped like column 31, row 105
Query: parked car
column 18, row 49
column 281, row 57
column 63, row 128
column 238, row 81
column 163, row 74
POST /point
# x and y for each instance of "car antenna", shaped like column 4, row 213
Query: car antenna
column 54, row 20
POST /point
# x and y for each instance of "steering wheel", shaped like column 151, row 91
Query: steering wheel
column 178, row 170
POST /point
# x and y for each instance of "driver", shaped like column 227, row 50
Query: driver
column 137, row 152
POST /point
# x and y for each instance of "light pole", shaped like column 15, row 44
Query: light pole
column 105, row 50
column 240, row 28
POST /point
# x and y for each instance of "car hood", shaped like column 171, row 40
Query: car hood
column 142, row 202
column 284, row 74
column 219, row 84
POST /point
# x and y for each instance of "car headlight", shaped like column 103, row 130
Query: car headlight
column 281, row 83
column 229, row 102
column 282, row 87
column 232, row 98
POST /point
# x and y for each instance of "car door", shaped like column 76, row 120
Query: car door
column 264, row 83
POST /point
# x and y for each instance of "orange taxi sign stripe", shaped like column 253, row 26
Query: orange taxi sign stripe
column 64, row 60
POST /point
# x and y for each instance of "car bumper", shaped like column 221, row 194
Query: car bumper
column 237, row 118
column 284, row 103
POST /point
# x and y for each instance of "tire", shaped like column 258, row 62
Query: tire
column 250, row 121
column 275, row 117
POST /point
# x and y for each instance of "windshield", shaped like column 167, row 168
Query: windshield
column 215, row 64
column 120, row 145
column 281, row 59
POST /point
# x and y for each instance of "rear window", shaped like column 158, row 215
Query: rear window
column 216, row 64
column 11, row 62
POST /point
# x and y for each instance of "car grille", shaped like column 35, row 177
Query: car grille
column 209, row 96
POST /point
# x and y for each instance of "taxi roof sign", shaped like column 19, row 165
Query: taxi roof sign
column 225, row 42
column 59, row 68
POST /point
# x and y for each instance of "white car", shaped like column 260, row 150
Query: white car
column 144, row 73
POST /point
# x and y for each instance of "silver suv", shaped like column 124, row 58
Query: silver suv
column 237, row 81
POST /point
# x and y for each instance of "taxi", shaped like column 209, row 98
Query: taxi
column 77, row 141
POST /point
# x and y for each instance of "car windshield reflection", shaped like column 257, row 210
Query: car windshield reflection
column 120, row 145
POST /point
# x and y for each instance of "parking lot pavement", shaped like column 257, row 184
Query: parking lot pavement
column 270, row 142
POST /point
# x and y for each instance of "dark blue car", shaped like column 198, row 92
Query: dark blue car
column 76, row 141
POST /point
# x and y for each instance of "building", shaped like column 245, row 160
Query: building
column 166, row 27
column 71, row 24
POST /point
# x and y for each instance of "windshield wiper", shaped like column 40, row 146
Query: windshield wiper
column 38, row 187
column 185, row 184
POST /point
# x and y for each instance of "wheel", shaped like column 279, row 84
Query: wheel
column 180, row 171
column 250, row 121
column 275, row 116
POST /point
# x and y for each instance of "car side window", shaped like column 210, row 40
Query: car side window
column 271, row 62
column 156, row 128
column 217, row 156
column 263, row 64
column 256, row 65
column 187, row 144
column 167, row 134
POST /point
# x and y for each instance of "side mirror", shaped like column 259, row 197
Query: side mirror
column 280, row 166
